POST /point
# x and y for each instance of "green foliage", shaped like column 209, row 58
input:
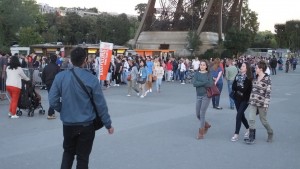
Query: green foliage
column 15, row 14
column 281, row 35
column 264, row 39
column 21, row 22
column 249, row 21
column 227, row 54
column 95, row 10
column 28, row 36
column 293, row 34
column 288, row 35
column 4, row 49
column 210, row 53
column 134, row 24
column 193, row 41
column 237, row 41
column 141, row 9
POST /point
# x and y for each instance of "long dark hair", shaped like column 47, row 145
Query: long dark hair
column 14, row 62
column 206, row 63
column 249, row 71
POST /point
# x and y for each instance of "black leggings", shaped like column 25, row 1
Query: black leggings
column 241, row 107
column 117, row 77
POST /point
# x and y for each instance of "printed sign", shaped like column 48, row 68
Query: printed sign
column 105, row 54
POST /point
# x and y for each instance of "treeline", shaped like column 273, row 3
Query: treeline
column 22, row 23
column 288, row 35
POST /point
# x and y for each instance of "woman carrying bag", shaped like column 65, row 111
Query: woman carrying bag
column 202, row 80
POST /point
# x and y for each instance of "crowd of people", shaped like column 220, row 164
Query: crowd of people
column 248, row 80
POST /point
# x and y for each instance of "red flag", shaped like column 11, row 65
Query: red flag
column 105, row 58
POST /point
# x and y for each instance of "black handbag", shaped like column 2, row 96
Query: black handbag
column 97, row 122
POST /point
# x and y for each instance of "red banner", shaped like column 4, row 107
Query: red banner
column 105, row 58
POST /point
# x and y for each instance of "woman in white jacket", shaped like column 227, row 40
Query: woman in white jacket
column 13, row 84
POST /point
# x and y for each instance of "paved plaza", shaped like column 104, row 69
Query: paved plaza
column 159, row 132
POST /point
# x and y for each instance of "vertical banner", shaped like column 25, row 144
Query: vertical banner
column 105, row 58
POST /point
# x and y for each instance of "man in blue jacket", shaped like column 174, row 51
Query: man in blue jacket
column 76, row 110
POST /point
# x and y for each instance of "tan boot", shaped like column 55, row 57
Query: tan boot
column 206, row 127
column 201, row 133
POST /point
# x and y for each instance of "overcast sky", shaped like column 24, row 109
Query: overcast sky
column 269, row 12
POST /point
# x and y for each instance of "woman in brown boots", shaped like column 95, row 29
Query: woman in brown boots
column 202, row 80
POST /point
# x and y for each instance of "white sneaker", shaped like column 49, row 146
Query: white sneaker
column 235, row 138
column 128, row 95
column 9, row 114
column 14, row 117
column 138, row 94
column 182, row 83
column 246, row 135
column 142, row 96
column 118, row 85
column 150, row 90
column 115, row 85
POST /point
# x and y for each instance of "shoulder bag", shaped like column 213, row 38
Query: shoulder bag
column 97, row 122
column 212, row 91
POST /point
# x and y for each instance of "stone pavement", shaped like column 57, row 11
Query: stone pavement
column 159, row 131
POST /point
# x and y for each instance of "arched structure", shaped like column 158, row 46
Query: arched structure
column 168, row 22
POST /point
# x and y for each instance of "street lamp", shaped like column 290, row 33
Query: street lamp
column 297, row 39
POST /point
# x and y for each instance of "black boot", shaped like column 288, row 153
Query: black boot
column 251, row 139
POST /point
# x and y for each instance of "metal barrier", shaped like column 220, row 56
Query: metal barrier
column 3, row 89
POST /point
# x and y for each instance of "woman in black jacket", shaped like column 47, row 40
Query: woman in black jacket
column 241, row 89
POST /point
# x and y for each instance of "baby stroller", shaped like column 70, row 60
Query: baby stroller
column 29, row 99
column 189, row 75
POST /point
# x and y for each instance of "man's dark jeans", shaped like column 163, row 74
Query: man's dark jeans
column 78, row 140
column 50, row 110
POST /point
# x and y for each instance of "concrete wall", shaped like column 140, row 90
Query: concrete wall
column 176, row 39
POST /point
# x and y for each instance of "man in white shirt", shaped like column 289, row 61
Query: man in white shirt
column 125, row 70
column 196, row 64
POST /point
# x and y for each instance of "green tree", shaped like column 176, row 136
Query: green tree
column 134, row 24
column 70, row 28
column 193, row 41
column 15, row 14
column 237, row 41
column 94, row 9
column 249, row 20
column 51, row 34
column 281, row 35
column 122, row 30
column 265, row 39
column 115, row 29
column 141, row 9
column 28, row 36
column 293, row 34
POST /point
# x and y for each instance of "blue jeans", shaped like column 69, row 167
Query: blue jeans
column 124, row 76
column 202, row 104
column 216, row 99
column 181, row 75
column 231, row 101
column 158, row 84
column 78, row 140
column 175, row 74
